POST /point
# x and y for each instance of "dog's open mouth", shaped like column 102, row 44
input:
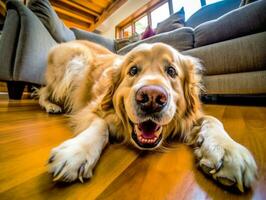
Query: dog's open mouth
column 147, row 134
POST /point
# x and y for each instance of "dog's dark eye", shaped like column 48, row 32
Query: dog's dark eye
column 171, row 71
column 133, row 71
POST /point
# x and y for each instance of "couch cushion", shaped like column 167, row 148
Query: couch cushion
column 47, row 15
column 181, row 39
column 175, row 21
column 243, row 21
column 233, row 56
column 236, row 83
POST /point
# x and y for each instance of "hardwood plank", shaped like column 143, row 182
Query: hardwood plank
column 157, row 176
column 111, row 165
column 27, row 135
column 25, row 148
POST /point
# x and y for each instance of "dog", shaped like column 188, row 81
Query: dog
column 145, row 97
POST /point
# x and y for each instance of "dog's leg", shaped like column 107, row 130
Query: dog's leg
column 44, row 101
column 76, row 158
column 220, row 156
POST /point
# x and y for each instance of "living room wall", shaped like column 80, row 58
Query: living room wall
column 107, row 28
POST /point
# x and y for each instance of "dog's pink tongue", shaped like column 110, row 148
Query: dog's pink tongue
column 148, row 129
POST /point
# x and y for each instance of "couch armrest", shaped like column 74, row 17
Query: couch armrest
column 93, row 37
column 34, row 43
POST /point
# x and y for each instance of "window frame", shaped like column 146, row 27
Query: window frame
column 137, row 19
column 170, row 12
column 119, row 28
column 125, row 27
column 132, row 19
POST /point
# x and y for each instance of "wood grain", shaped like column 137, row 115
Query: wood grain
column 84, row 14
column 27, row 134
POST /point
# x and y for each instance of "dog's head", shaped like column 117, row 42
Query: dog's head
column 155, row 93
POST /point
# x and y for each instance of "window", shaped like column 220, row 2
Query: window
column 159, row 14
column 153, row 13
column 141, row 24
column 190, row 7
column 127, row 32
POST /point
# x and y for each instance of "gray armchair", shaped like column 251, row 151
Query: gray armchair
column 26, row 41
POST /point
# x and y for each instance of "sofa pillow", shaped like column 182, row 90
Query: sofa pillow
column 175, row 21
column 45, row 12
column 148, row 32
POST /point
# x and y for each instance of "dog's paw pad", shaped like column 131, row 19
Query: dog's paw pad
column 226, row 181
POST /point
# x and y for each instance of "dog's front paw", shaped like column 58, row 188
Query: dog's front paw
column 227, row 162
column 71, row 161
column 53, row 108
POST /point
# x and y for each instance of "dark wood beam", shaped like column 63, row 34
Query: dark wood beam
column 107, row 12
column 2, row 8
column 101, row 3
column 88, row 4
column 77, row 6
column 73, row 15
column 72, row 24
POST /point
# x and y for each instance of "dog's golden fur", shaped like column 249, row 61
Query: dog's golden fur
column 93, row 84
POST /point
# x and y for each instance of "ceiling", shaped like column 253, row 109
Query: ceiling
column 85, row 14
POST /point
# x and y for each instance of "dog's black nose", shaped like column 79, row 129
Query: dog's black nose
column 151, row 98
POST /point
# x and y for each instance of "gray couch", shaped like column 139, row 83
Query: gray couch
column 230, row 41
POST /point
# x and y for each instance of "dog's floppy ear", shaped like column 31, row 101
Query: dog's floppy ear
column 192, row 83
column 113, row 79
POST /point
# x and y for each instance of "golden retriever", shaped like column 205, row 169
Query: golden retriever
column 144, row 97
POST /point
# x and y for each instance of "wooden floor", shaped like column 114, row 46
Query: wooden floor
column 27, row 134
